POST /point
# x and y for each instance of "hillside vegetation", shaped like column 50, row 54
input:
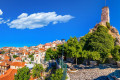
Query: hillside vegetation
column 98, row 45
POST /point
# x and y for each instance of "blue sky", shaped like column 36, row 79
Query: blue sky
column 67, row 18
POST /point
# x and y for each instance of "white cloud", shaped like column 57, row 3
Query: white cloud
column 38, row 20
column 1, row 12
column 2, row 21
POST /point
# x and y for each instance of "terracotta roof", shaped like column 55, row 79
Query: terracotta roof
column 21, row 64
column 29, row 50
column 8, row 75
column 7, row 57
column 42, row 49
column 31, row 78
column 36, row 51
column 26, row 53
column 5, row 62
column 7, row 53
column 47, row 44
column 18, row 58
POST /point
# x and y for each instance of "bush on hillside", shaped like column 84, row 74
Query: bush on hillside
column 108, row 25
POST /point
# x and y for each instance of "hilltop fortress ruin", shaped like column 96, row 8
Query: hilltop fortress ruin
column 105, row 18
column 105, row 15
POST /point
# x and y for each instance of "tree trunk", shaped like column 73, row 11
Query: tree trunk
column 76, row 60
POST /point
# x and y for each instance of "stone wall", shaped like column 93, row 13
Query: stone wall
column 105, row 15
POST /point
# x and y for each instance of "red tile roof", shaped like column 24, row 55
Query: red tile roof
column 26, row 53
column 8, row 75
column 31, row 78
column 47, row 44
column 5, row 62
column 41, row 49
column 20, row 64
column 18, row 58
column 6, row 57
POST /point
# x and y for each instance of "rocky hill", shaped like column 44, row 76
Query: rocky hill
column 104, row 20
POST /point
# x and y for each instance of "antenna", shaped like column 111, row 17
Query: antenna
column 105, row 2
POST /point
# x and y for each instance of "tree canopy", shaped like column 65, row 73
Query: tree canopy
column 90, row 55
column 73, row 48
column 32, row 57
column 116, row 53
column 100, row 41
column 58, row 75
column 50, row 54
column 37, row 69
column 14, row 56
column 23, row 74
column 96, row 46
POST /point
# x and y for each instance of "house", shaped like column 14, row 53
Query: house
column 26, row 53
column 39, row 58
column 4, row 65
column 8, row 75
column 1, row 55
column 53, row 45
column 17, row 59
column 40, row 46
column 6, row 58
column 16, row 65
column 47, row 45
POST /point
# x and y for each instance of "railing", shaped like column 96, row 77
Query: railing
column 64, row 67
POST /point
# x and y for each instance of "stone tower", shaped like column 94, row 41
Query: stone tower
column 105, row 15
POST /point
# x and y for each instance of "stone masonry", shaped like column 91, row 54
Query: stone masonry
column 105, row 15
column 106, row 18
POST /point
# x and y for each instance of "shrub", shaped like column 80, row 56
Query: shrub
column 108, row 25
column 14, row 56
column 58, row 75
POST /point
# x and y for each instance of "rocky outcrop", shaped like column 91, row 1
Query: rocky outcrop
column 106, row 18
column 115, row 34
column 112, row 31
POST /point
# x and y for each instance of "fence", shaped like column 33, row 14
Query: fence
column 64, row 67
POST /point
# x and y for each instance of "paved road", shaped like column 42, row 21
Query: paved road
column 91, row 74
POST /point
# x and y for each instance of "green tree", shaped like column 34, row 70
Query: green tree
column 3, row 52
column 50, row 54
column 58, row 75
column 62, row 48
column 108, row 25
column 74, row 48
column 23, row 74
column 32, row 57
column 14, row 56
column 100, row 41
column 37, row 69
column 90, row 55
column 116, row 53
